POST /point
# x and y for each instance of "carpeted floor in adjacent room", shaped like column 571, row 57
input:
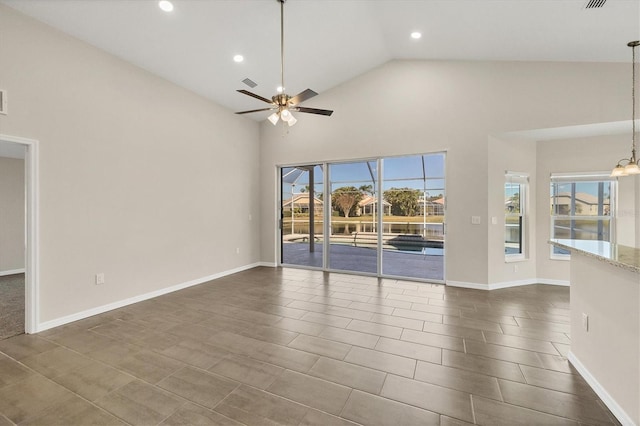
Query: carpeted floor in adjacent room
column 11, row 305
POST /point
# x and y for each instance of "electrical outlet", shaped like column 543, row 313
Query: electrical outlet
column 237, row 250
column 515, row 268
column 585, row 322
column 250, row 217
column 100, row 278
column 494, row 220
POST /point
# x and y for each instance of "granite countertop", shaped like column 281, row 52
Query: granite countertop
column 614, row 254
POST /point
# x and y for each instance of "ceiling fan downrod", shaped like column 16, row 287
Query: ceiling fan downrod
column 282, row 44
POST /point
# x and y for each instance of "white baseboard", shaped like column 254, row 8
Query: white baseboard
column 121, row 303
column 11, row 272
column 563, row 283
column 463, row 284
column 608, row 400
column 506, row 284
column 268, row 264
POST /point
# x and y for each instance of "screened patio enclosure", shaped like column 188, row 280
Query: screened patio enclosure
column 382, row 216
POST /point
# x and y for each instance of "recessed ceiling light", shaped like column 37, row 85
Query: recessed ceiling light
column 165, row 5
column 238, row 58
column 416, row 35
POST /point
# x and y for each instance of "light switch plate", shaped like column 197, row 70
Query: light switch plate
column 475, row 220
column 100, row 278
column 585, row 322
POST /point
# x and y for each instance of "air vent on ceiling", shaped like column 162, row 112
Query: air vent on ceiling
column 250, row 82
column 594, row 4
column 3, row 102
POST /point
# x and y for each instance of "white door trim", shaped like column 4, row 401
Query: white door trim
column 32, row 264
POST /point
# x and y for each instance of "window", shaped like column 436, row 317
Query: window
column 515, row 213
column 581, row 209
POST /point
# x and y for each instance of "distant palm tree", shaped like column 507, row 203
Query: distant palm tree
column 367, row 189
column 316, row 194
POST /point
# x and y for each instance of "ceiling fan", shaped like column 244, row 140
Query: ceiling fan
column 282, row 103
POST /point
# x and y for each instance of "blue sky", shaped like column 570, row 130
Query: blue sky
column 398, row 172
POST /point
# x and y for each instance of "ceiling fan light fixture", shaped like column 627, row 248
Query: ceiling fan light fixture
column 273, row 118
column 292, row 120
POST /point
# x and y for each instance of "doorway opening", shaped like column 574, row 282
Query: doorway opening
column 18, row 243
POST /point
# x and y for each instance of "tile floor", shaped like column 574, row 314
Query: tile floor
column 294, row 347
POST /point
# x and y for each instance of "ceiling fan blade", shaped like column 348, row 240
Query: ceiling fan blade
column 326, row 112
column 253, row 95
column 302, row 96
column 255, row 110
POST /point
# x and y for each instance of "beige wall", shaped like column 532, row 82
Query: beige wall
column 12, row 214
column 635, row 187
column 139, row 179
column 580, row 155
column 540, row 159
column 610, row 349
column 408, row 107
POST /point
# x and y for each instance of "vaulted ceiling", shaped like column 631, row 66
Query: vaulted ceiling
column 328, row 42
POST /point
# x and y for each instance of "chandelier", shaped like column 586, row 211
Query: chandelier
column 629, row 166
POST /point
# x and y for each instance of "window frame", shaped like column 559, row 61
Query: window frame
column 521, row 179
column 574, row 178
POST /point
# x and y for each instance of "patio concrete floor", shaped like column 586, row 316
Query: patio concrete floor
column 362, row 259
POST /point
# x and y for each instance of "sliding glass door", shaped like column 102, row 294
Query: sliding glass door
column 382, row 216
column 353, row 245
column 302, row 215
column 413, row 228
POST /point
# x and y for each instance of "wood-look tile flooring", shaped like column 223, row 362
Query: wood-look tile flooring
column 294, row 347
